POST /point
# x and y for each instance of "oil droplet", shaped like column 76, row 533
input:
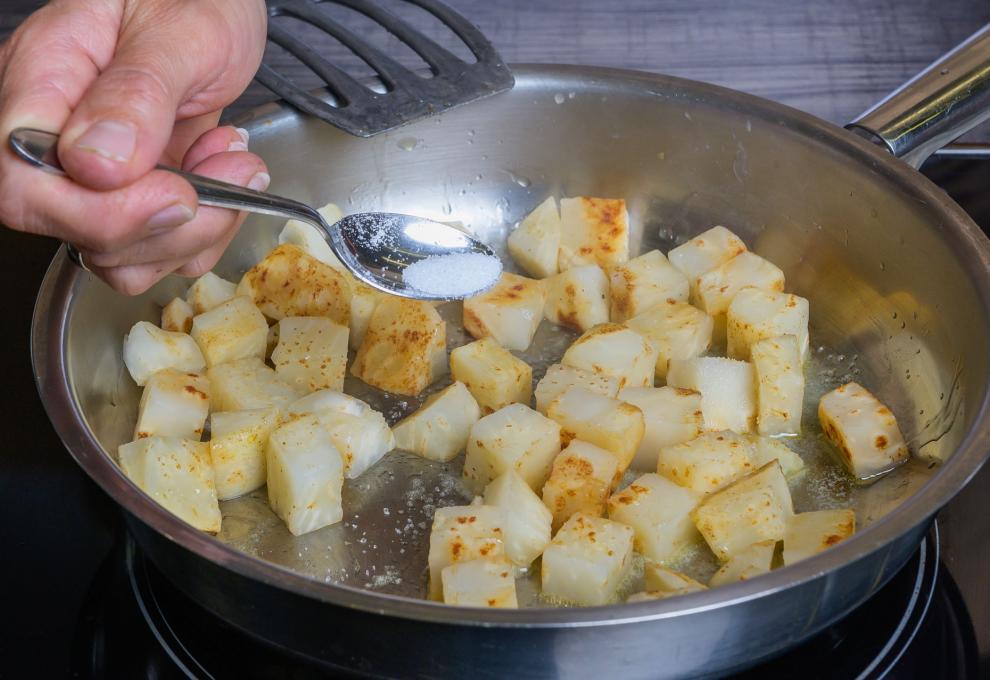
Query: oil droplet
column 571, row 95
column 559, row 98
column 408, row 143
column 470, row 133
column 523, row 182
column 883, row 266
column 661, row 155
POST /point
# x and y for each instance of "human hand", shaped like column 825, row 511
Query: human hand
column 128, row 84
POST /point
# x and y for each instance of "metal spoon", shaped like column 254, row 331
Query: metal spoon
column 375, row 247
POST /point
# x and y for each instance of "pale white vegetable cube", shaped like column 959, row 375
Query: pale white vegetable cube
column 644, row 282
column 291, row 282
column 676, row 330
column 361, row 440
column 439, row 429
column 752, row 509
column 492, row 374
column 587, row 561
column 311, row 353
column 580, row 481
column 779, row 385
column 209, row 291
column 513, row 438
column 767, row 449
column 177, row 474
column 247, row 384
column 863, row 431
column 705, row 252
column 756, row 314
column 727, row 386
column 510, row 311
column 658, row 578
column 148, row 349
column 233, row 330
column 177, row 316
column 593, row 231
column 534, row 244
column 305, row 476
column 527, row 520
column 173, row 404
column 613, row 350
column 311, row 239
column 462, row 533
column 717, row 287
column 659, row 512
column 327, row 400
column 809, row 533
column 749, row 562
column 611, row 424
column 577, row 298
column 237, row 449
column 363, row 304
column 708, row 462
column 403, row 347
column 671, row 415
column 559, row 377
column 480, row 583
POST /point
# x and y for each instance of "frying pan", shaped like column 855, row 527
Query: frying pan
column 899, row 282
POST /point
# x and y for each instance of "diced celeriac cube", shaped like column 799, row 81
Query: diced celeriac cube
column 756, row 314
column 510, row 311
column 705, row 252
column 727, row 386
column 662, row 583
column 766, row 449
column 513, row 438
column 311, row 239
column 559, row 377
column 247, row 384
column 209, row 291
column 237, row 449
column 290, row 282
column 305, row 476
column 403, row 347
column 605, row 422
column 311, row 353
column 659, row 511
column 577, row 298
column 708, row 462
column 717, row 287
column 644, row 282
column 439, row 429
column 233, row 330
column 671, row 415
column 579, row 482
column 753, row 509
column 492, row 374
column 364, row 301
column 749, row 562
column 779, row 385
column 177, row 316
column 177, row 474
column 863, row 430
column 534, row 244
column 587, row 561
column 326, row 400
column 593, row 231
column 676, row 330
column 809, row 533
column 173, row 404
column 148, row 349
column 480, row 583
column 527, row 520
column 462, row 533
column 361, row 440
column 613, row 350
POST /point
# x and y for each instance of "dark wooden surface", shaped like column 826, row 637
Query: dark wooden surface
column 832, row 58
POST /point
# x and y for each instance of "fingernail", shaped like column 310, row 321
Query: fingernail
column 244, row 134
column 237, row 146
column 260, row 181
column 170, row 217
column 110, row 139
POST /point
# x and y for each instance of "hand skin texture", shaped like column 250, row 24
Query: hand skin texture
column 128, row 84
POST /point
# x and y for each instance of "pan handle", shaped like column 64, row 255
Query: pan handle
column 947, row 99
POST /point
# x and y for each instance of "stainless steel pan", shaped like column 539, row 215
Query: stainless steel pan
column 899, row 282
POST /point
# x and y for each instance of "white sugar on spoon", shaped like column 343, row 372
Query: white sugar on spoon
column 457, row 275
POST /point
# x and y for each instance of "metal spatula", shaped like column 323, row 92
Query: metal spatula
column 408, row 96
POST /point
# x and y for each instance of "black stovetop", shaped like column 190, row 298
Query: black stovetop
column 79, row 601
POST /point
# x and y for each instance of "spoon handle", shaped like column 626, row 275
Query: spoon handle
column 38, row 148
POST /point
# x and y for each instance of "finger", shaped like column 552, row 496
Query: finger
column 207, row 259
column 134, row 279
column 184, row 135
column 217, row 140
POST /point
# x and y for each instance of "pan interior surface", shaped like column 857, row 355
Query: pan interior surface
column 892, row 307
